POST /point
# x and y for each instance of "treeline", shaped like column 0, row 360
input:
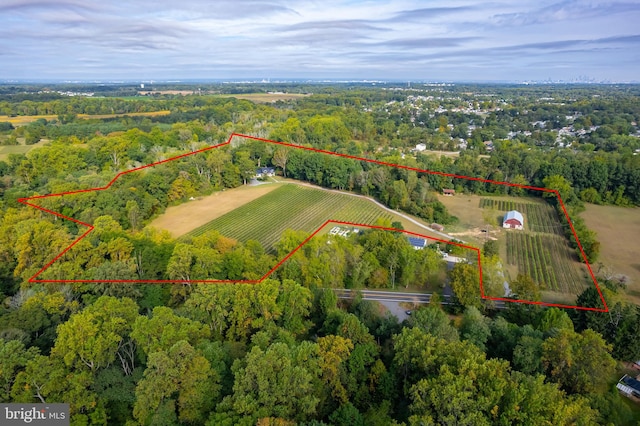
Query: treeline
column 280, row 353
column 366, row 259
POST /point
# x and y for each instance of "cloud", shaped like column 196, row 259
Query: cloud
column 424, row 43
column 344, row 24
column 427, row 13
column 569, row 10
column 28, row 5
column 226, row 38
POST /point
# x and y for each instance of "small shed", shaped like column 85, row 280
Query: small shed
column 513, row 220
column 417, row 243
column 449, row 191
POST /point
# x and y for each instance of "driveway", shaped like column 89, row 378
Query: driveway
column 395, row 309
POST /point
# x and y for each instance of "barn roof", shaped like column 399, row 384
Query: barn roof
column 514, row 214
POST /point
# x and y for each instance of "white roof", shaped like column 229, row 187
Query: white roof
column 626, row 389
column 513, row 214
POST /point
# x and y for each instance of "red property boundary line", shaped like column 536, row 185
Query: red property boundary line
column 27, row 201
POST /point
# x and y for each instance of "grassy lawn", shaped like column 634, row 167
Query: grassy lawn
column 19, row 149
column 618, row 230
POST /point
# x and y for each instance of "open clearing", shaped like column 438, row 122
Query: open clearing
column 21, row 120
column 19, row 149
column 452, row 154
column 295, row 207
column 181, row 219
column 265, row 97
column 618, row 230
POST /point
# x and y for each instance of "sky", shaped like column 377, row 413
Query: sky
column 311, row 39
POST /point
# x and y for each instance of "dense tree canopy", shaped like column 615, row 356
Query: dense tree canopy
column 287, row 350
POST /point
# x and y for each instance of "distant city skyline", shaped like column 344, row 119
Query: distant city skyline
column 399, row 40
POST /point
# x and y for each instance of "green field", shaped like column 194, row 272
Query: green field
column 291, row 207
column 5, row 150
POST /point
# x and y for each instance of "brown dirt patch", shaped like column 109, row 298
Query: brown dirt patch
column 179, row 220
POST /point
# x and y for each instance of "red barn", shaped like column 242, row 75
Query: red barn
column 513, row 220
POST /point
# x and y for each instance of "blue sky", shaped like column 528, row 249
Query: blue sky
column 392, row 40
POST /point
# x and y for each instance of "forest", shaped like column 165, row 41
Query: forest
column 288, row 351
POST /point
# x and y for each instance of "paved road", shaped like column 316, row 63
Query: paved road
column 389, row 297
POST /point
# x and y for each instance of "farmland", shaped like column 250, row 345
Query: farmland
column 538, row 217
column 547, row 259
column 21, row 120
column 541, row 250
column 186, row 217
column 291, row 207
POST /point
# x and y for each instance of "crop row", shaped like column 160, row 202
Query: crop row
column 547, row 259
column 538, row 217
column 290, row 207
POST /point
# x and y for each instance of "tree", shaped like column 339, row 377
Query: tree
column 434, row 321
column 179, row 266
column 177, row 384
column 246, row 166
column 559, row 184
column 491, row 248
column 581, row 363
column 554, row 318
column 276, row 382
column 465, row 283
column 525, row 288
column 133, row 214
column 47, row 379
column 280, row 158
column 13, row 359
column 295, row 304
column 94, row 337
column 475, row 327
column 527, row 354
column 333, row 352
column 164, row 329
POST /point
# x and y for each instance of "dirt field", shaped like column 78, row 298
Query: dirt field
column 618, row 231
column 179, row 220
column 22, row 120
column 471, row 217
